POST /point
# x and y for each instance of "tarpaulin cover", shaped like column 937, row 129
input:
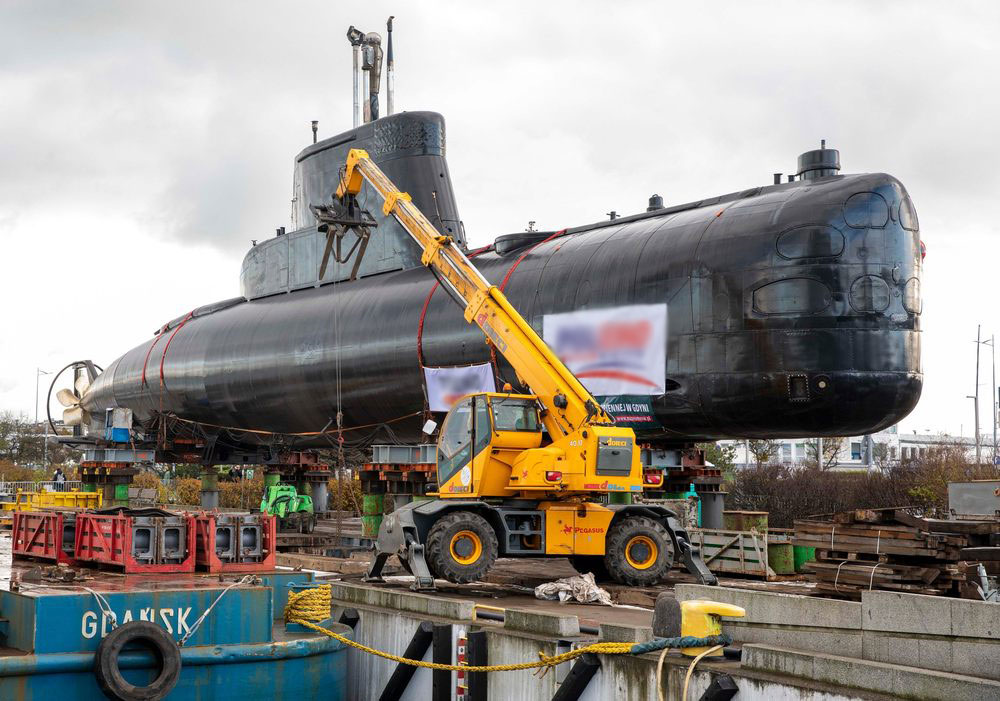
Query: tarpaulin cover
column 580, row 588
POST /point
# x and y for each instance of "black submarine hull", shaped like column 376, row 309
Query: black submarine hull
column 793, row 311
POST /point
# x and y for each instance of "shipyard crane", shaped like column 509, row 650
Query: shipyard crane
column 518, row 474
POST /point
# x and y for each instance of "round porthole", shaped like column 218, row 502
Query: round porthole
column 870, row 293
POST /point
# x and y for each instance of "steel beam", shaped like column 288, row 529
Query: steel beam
column 478, row 655
column 578, row 679
column 403, row 673
column 442, row 688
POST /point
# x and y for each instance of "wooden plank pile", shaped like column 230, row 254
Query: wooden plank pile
column 891, row 549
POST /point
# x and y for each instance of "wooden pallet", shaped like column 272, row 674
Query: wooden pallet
column 890, row 549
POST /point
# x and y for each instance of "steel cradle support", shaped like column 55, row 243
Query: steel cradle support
column 441, row 684
column 478, row 656
column 401, row 676
column 578, row 679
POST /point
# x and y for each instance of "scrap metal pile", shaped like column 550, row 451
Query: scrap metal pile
column 896, row 550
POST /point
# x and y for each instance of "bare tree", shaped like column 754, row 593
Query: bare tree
column 722, row 456
column 23, row 442
column 763, row 451
column 881, row 457
column 831, row 450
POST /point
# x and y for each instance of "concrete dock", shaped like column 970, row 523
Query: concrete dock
column 792, row 644
column 888, row 646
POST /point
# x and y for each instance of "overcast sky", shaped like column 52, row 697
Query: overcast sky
column 143, row 145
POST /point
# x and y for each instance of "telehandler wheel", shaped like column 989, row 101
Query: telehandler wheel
column 639, row 552
column 591, row 563
column 461, row 547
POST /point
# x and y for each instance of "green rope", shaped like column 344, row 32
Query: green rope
column 681, row 641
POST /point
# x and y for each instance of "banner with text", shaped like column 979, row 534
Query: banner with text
column 630, row 410
column 614, row 351
column 445, row 386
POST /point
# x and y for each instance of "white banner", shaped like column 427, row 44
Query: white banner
column 445, row 386
column 618, row 350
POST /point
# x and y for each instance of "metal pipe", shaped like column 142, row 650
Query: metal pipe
column 372, row 66
column 320, row 497
column 993, row 400
column 38, row 375
column 389, row 72
column 366, row 109
column 357, row 85
column 356, row 36
column 978, row 450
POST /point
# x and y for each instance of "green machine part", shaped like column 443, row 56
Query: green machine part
column 283, row 499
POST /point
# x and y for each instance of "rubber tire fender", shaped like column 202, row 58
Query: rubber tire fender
column 620, row 534
column 109, row 676
column 438, row 549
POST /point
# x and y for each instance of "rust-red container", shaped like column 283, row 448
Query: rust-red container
column 137, row 544
column 235, row 542
column 45, row 535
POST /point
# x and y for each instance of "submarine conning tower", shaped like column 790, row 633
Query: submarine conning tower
column 410, row 148
column 819, row 163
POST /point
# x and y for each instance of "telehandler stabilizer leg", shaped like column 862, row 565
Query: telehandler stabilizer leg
column 690, row 555
column 374, row 573
column 412, row 559
column 415, row 562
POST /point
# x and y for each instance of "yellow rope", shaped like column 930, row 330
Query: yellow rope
column 694, row 662
column 309, row 605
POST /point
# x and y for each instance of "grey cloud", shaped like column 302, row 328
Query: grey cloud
column 188, row 115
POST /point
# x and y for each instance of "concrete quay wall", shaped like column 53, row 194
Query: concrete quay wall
column 771, row 669
column 928, row 632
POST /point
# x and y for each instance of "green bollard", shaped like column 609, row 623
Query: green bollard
column 121, row 495
column 371, row 516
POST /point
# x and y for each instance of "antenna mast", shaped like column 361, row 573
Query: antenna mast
column 389, row 69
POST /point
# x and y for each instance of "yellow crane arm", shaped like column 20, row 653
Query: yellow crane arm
column 569, row 404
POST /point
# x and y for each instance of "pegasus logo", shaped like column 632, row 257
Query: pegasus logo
column 578, row 529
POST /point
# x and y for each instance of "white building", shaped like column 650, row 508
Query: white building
column 914, row 445
column 864, row 452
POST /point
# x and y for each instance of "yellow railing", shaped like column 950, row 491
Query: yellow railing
column 74, row 499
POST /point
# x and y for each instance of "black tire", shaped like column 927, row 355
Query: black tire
column 445, row 543
column 109, row 676
column 639, row 551
column 591, row 563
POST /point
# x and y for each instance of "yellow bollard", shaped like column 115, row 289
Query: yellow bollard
column 701, row 619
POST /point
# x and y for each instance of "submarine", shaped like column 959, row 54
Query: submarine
column 790, row 309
